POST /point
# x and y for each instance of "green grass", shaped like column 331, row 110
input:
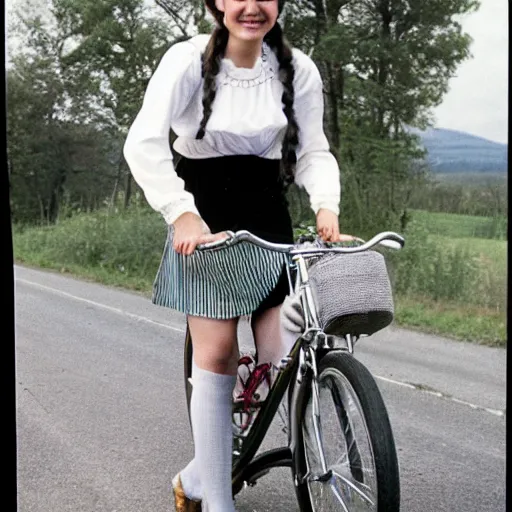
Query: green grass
column 489, row 258
column 128, row 245
column 475, row 179
column 490, row 253
column 468, row 323
column 460, row 226
column 453, row 286
column 117, row 279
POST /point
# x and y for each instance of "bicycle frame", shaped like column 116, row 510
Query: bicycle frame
column 298, row 375
column 298, row 368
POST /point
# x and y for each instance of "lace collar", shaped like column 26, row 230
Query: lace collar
column 234, row 76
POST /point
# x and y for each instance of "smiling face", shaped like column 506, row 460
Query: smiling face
column 248, row 20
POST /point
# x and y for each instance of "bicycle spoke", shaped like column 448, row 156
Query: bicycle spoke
column 352, row 450
column 339, row 430
column 338, row 497
column 354, row 487
column 283, row 415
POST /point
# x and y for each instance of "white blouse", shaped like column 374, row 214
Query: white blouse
column 247, row 118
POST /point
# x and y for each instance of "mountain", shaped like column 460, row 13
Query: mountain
column 451, row 151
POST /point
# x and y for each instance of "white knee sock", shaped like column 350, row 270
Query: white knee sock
column 211, row 413
column 189, row 476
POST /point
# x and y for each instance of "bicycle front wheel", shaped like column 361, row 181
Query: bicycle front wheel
column 348, row 445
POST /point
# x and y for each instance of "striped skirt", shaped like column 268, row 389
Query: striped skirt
column 231, row 193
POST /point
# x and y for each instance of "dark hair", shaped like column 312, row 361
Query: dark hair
column 211, row 60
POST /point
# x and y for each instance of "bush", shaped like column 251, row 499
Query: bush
column 130, row 242
column 433, row 267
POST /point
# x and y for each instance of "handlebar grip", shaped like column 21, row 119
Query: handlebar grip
column 218, row 243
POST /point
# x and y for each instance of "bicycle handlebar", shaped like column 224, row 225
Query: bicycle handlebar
column 386, row 238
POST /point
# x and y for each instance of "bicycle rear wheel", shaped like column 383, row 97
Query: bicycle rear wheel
column 187, row 369
column 361, row 467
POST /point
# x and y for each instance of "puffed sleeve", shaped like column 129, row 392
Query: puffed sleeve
column 147, row 150
column 317, row 170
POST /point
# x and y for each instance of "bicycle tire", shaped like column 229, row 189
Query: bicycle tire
column 187, row 370
column 378, row 428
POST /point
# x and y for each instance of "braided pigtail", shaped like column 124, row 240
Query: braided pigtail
column 211, row 60
column 275, row 39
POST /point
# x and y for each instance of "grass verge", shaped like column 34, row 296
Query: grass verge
column 99, row 275
column 469, row 323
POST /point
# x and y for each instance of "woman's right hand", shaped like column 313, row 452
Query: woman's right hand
column 190, row 231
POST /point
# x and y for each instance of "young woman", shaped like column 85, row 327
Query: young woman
column 248, row 113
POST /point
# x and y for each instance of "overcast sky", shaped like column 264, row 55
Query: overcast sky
column 477, row 101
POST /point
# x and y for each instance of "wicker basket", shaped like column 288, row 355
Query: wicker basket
column 352, row 293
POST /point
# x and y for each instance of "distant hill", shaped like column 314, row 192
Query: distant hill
column 451, row 151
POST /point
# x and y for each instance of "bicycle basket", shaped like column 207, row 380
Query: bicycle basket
column 352, row 293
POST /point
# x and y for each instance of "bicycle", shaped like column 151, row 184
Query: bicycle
column 327, row 388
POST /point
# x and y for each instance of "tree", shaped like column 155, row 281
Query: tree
column 49, row 155
column 74, row 88
column 117, row 43
column 189, row 17
column 385, row 65
column 50, row 123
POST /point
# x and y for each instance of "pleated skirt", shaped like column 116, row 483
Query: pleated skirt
column 231, row 193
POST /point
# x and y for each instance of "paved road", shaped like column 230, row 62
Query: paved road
column 101, row 412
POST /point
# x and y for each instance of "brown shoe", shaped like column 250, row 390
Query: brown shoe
column 183, row 504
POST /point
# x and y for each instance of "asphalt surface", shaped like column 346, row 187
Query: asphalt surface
column 102, row 424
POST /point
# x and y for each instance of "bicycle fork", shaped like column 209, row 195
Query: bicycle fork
column 306, row 386
column 326, row 474
column 307, row 364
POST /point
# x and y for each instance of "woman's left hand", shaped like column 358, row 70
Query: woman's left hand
column 328, row 228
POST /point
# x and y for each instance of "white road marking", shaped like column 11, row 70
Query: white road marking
column 103, row 306
column 439, row 394
column 398, row 382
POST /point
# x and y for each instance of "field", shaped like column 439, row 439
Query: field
column 473, row 178
column 457, row 226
